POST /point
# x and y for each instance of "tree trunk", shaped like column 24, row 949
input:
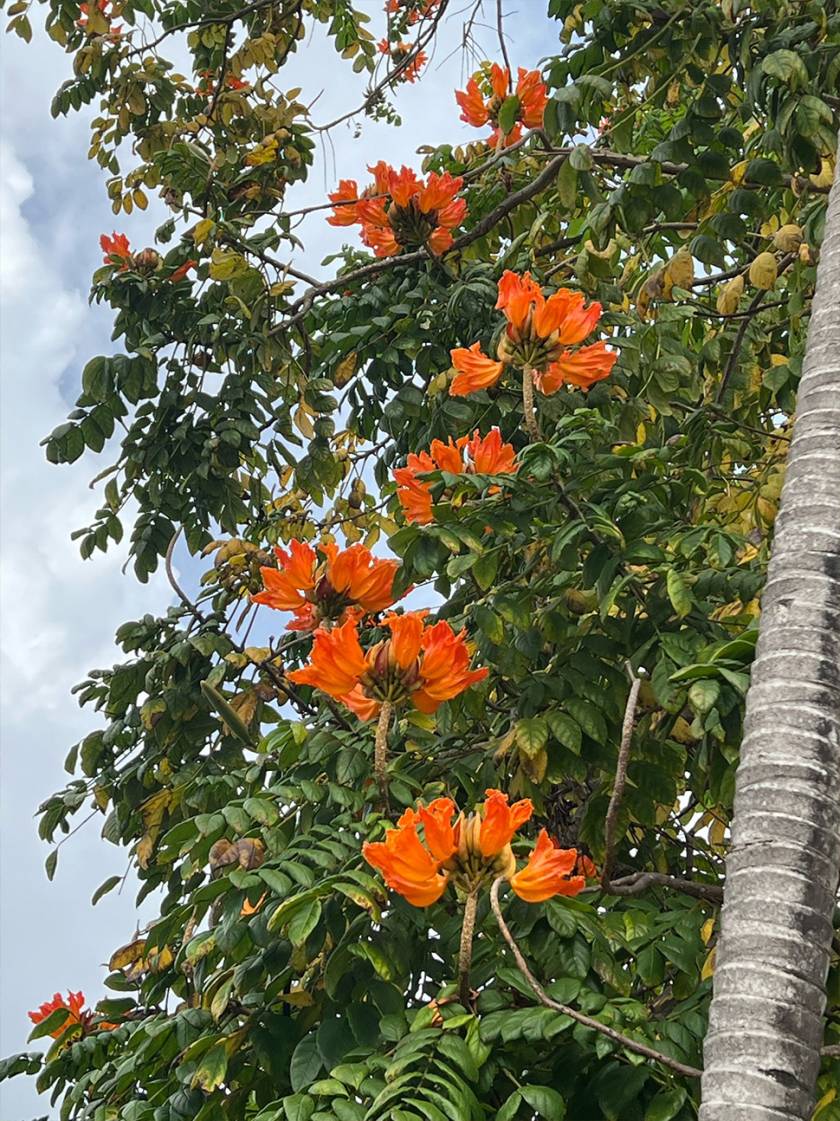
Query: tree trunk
column 766, row 1021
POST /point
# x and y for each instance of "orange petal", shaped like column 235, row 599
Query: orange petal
column 475, row 371
column 500, row 821
column 547, row 872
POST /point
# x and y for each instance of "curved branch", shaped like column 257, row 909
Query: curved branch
column 587, row 1021
column 614, row 808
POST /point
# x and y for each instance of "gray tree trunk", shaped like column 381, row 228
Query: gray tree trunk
column 762, row 1052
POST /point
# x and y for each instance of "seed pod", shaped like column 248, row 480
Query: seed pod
column 147, row 260
column 763, row 271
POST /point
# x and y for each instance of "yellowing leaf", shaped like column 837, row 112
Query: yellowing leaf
column 708, row 965
column 202, row 230
column 764, row 271
column 788, row 238
column 152, row 812
column 730, row 295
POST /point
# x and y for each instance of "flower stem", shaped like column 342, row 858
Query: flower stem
column 465, row 951
column 380, row 750
column 530, row 415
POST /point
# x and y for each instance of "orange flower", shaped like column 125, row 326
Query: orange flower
column 425, row 665
column 407, row 866
column 75, row 1012
column 469, row 853
column 484, row 456
column 397, row 52
column 399, row 210
column 547, row 872
column 411, row 10
column 181, row 272
column 475, row 371
column 487, row 91
column 537, row 338
column 332, row 588
column 117, row 250
column 500, row 821
column 96, row 18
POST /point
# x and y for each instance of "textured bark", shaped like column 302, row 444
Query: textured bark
column 766, row 1020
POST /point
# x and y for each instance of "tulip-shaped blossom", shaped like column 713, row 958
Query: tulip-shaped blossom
column 486, row 92
column 117, row 250
column 469, row 852
column 327, row 584
column 476, row 455
column 541, row 338
column 76, row 1014
column 411, row 10
column 400, row 211
column 419, row 664
column 398, row 52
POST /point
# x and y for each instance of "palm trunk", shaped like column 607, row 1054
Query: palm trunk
column 766, row 1022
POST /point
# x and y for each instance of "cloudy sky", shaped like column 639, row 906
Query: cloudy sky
column 59, row 613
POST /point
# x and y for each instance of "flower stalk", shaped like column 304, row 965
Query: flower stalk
column 466, row 947
column 531, row 425
column 380, row 749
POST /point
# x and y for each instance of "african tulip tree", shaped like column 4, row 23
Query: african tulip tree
column 549, row 392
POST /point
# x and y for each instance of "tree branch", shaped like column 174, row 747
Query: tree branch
column 614, row 808
column 587, row 1021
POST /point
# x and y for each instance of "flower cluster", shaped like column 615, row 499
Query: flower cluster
column 537, row 339
column 77, row 1014
column 326, row 585
column 399, row 210
column 411, row 10
column 398, row 52
column 486, row 455
column 117, row 252
column 469, row 852
column 95, row 18
column 419, row 664
column 486, row 93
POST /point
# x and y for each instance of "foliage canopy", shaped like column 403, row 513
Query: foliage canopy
column 679, row 178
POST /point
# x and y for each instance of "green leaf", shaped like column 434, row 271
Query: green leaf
column 306, row 1063
column 298, row 1107
column 787, row 66
column 666, row 1105
column 484, row 570
column 508, row 113
column 567, row 184
column 211, row 1070
column 304, row 922
column 545, row 1101
column 703, row 696
column 565, row 730
column 104, row 888
column 48, row 1025
column 531, row 735
column 489, row 623
column 581, row 157
column 678, row 593
column 589, row 718
column 510, row 1107
column 51, row 863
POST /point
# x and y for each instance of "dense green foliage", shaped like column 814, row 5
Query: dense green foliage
column 240, row 407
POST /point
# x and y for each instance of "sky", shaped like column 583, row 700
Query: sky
column 58, row 614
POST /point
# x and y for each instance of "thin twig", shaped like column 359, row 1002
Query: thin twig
column 587, row 1021
column 170, row 576
column 501, row 34
column 638, row 882
column 614, row 808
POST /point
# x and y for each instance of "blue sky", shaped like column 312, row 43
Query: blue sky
column 59, row 613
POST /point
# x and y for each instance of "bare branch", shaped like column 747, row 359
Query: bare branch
column 614, row 808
